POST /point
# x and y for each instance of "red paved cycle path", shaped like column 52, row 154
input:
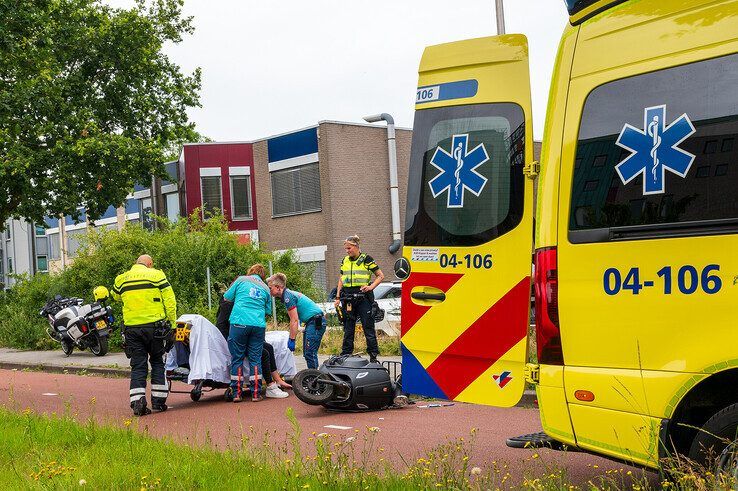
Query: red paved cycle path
column 405, row 434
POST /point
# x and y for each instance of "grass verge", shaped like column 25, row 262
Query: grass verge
column 41, row 452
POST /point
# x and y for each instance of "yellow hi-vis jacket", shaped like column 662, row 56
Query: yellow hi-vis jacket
column 357, row 272
column 146, row 294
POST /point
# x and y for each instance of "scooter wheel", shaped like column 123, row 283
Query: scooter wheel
column 308, row 387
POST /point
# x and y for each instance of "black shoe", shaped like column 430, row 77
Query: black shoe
column 159, row 407
column 139, row 407
column 373, row 359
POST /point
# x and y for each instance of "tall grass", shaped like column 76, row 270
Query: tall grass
column 56, row 452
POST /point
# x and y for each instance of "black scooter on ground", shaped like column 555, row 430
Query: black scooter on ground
column 351, row 383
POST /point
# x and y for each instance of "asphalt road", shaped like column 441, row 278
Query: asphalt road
column 404, row 434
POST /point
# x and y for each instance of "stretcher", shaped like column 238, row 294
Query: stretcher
column 200, row 356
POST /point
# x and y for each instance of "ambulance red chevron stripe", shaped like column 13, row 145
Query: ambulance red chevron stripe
column 477, row 348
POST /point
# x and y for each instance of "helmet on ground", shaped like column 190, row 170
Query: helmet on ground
column 100, row 293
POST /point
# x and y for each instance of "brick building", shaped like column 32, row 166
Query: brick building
column 318, row 185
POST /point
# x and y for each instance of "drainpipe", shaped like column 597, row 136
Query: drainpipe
column 394, row 193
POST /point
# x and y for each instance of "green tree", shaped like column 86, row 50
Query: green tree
column 89, row 103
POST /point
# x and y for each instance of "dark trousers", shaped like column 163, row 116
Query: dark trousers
column 268, row 363
column 314, row 330
column 362, row 311
column 245, row 342
column 144, row 348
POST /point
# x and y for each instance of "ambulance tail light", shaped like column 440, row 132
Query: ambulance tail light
column 548, row 333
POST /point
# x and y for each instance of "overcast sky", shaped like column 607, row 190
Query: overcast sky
column 274, row 66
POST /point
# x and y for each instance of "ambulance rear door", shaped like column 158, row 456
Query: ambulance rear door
column 469, row 226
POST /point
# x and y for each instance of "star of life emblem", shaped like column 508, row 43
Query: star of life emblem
column 458, row 171
column 655, row 150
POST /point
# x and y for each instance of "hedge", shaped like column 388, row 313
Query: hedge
column 183, row 250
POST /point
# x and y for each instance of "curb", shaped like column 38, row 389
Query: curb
column 529, row 399
column 65, row 369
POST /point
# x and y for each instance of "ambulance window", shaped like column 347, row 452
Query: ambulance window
column 656, row 156
column 466, row 174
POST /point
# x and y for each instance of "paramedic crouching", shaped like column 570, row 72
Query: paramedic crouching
column 149, row 309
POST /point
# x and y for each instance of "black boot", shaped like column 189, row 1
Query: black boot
column 161, row 407
column 139, row 407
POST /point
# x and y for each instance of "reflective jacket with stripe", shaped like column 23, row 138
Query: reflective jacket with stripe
column 357, row 272
column 147, row 296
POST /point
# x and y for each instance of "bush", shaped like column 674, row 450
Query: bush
column 183, row 250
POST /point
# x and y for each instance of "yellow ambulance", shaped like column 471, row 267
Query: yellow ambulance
column 634, row 259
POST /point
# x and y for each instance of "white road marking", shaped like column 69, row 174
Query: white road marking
column 336, row 427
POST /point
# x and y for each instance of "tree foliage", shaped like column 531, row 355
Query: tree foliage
column 183, row 251
column 89, row 103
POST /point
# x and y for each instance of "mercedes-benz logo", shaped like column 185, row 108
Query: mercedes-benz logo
column 402, row 268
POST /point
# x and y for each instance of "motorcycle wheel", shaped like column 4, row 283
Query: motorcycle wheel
column 67, row 347
column 100, row 347
column 307, row 387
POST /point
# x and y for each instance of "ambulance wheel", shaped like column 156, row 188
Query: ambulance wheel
column 714, row 437
column 67, row 347
column 195, row 395
column 309, row 389
column 100, row 348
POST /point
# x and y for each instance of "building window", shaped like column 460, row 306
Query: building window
column 10, row 265
column 172, row 203
column 73, row 244
column 146, row 213
column 296, row 190
column 40, row 231
column 2, row 267
column 241, row 198
column 212, row 194
column 131, row 206
column 42, row 264
column 54, row 246
column 7, row 230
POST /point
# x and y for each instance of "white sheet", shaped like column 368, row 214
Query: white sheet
column 209, row 355
column 210, row 358
column 285, row 358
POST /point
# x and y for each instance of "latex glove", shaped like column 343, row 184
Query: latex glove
column 291, row 345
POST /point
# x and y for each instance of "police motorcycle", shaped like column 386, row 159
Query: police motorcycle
column 75, row 324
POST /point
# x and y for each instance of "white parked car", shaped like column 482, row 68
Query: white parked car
column 387, row 295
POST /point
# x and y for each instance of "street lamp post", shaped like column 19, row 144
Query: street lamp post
column 500, row 14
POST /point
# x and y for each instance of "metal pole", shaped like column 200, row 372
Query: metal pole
column 274, row 305
column 210, row 301
column 500, row 13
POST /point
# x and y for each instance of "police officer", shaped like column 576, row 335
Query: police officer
column 355, row 276
column 149, row 309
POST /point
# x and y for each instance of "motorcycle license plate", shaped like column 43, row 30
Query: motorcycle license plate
column 182, row 333
column 101, row 324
